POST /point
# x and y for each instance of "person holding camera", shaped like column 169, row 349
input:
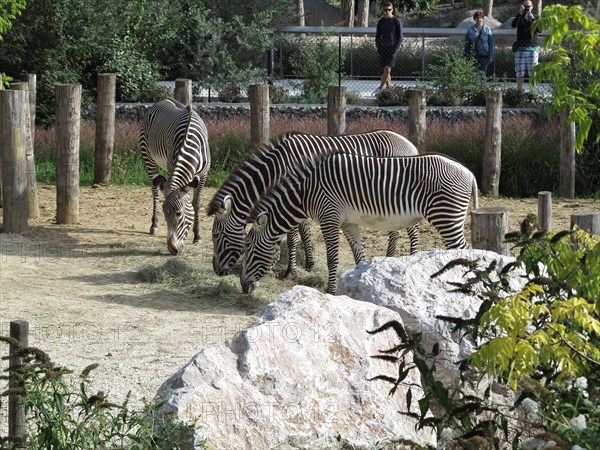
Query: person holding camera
column 526, row 47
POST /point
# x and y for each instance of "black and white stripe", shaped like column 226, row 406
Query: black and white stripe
column 265, row 166
column 173, row 137
column 347, row 191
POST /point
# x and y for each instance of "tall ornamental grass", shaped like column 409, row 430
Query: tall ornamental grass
column 530, row 149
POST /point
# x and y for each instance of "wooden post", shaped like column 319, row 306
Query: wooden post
column 34, row 204
column 336, row 110
column 14, row 120
column 587, row 220
column 488, row 228
column 545, row 211
column 258, row 95
column 567, row 156
column 105, row 127
column 19, row 330
column 183, row 90
column 33, row 207
column 490, row 179
column 68, row 118
column 417, row 117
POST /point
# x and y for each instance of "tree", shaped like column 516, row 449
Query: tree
column 573, row 67
column 362, row 13
column 9, row 10
column 300, row 12
column 487, row 7
column 347, row 7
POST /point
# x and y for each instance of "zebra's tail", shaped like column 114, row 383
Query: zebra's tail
column 475, row 193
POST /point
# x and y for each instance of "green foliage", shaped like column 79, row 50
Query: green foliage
column 396, row 95
column 458, row 79
column 542, row 339
column 316, row 62
column 9, row 11
column 574, row 66
column 62, row 413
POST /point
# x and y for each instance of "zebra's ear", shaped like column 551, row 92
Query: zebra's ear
column 225, row 207
column 261, row 220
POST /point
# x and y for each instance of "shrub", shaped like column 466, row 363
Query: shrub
column 394, row 96
column 62, row 414
column 542, row 340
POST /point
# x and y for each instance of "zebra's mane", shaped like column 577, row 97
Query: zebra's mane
column 293, row 177
column 256, row 154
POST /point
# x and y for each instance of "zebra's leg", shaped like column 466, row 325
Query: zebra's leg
column 451, row 230
column 393, row 237
column 201, row 179
column 292, row 243
column 305, row 235
column 352, row 233
column 154, row 225
column 413, row 235
column 331, row 235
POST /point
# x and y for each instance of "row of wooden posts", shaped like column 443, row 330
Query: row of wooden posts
column 17, row 130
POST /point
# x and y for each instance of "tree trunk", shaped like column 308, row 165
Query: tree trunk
column 362, row 13
column 537, row 7
column 347, row 13
column 487, row 7
column 300, row 12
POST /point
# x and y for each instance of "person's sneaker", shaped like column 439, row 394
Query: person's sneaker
column 375, row 92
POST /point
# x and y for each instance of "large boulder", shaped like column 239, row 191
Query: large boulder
column 405, row 285
column 297, row 378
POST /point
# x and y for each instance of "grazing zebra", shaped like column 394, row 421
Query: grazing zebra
column 265, row 166
column 174, row 137
column 345, row 191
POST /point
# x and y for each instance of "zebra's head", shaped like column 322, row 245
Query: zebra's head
column 228, row 238
column 179, row 215
column 262, row 251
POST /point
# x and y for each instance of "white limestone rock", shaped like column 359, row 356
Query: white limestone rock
column 297, row 379
column 405, row 285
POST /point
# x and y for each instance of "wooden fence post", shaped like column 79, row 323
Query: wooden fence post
column 19, row 330
column 567, row 156
column 14, row 120
column 183, row 90
column 488, row 228
column 490, row 179
column 417, row 117
column 258, row 95
column 105, row 127
column 68, row 121
column 587, row 220
column 545, row 211
column 336, row 110
column 34, row 204
column 33, row 208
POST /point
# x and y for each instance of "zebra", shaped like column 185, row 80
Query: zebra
column 262, row 169
column 347, row 190
column 174, row 137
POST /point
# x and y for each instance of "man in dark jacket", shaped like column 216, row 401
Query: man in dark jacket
column 388, row 39
column 526, row 56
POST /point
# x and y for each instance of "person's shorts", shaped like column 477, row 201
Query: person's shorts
column 524, row 62
column 387, row 56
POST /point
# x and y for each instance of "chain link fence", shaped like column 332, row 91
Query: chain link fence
column 357, row 67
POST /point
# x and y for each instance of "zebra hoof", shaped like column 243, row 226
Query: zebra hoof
column 289, row 275
column 197, row 240
column 153, row 230
column 309, row 266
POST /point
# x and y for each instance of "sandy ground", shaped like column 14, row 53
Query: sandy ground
column 79, row 287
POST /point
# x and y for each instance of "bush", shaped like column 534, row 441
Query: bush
column 394, row 96
column 61, row 413
column 542, row 341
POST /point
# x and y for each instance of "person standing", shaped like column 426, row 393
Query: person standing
column 388, row 38
column 479, row 42
column 527, row 49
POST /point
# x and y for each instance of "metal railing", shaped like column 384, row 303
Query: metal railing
column 422, row 48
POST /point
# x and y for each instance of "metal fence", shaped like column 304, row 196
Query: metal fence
column 416, row 62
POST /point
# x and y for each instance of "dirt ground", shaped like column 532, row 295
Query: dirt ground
column 80, row 289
